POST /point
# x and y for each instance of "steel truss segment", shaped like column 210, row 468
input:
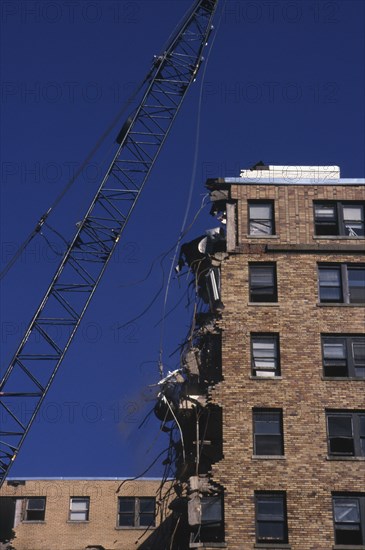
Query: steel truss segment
column 87, row 256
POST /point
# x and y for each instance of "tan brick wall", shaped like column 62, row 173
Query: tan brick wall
column 293, row 209
column 305, row 473
column 58, row 533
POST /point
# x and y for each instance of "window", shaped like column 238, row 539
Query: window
column 346, row 433
column 136, row 512
column 79, row 508
column 271, row 518
column 34, row 509
column 349, row 518
column 342, row 283
column 261, row 218
column 339, row 218
column 265, row 355
column 268, row 432
column 343, row 356
column 263, row 282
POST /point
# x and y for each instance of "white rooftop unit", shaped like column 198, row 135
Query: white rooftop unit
column 291, row 173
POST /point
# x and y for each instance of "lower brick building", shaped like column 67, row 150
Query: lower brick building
column 272, row 403
column 80, row 514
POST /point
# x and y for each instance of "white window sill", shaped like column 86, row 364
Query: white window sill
column 347, row 547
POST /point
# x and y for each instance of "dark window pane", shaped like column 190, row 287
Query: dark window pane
column 268, row 445
column 126, row 520
column 211, row 509
column 325, row 216
column 356, row 280
column 147, row 505
column 334, row 348
column 330, row 284
column 147, row 520
column 267, row 427
column 126, row 504
column 335, row 356
column 340, row 431
column 35, row 504
column 271, row 531
column 270, row 507
column 271, row 518
column 348, row 536
column 347, row 510
column 347, row 518
column 339, row 371
column 342, row 446
column 340, row 426
column 362, row 446
column 362, row 426
column 358, row 351
column 344, row 356
column 267, row 422
column 35, row 515
column 262, row 283
column 268, row 433
column 35, row 509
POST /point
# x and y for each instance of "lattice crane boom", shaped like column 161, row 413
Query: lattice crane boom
column 54, row 324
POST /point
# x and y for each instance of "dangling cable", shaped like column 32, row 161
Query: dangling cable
column 72, row 180
column 191, row 188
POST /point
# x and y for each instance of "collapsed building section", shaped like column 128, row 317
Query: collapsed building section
column 186, row 394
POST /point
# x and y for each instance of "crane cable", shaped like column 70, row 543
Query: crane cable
column 188, row 204
column 74, row 177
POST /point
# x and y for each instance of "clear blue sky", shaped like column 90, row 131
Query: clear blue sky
column 284, row 84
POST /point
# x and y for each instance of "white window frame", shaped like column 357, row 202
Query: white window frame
column 83, row 513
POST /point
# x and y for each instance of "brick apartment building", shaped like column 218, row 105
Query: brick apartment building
column 272, row 406
column 80, row 514
column 269, row 400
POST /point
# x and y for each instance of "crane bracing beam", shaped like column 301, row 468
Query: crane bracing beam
column 50, row 332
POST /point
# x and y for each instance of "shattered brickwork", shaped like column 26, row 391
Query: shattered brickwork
column 305, row 472
column 56, row 532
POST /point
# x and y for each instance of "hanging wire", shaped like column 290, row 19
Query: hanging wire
column 73, row 178
column 175, row 306
column 174, row 532
column 178, row 425
column 56, row 252
column 143, row 473
column 188, row 205
column 163, row 257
